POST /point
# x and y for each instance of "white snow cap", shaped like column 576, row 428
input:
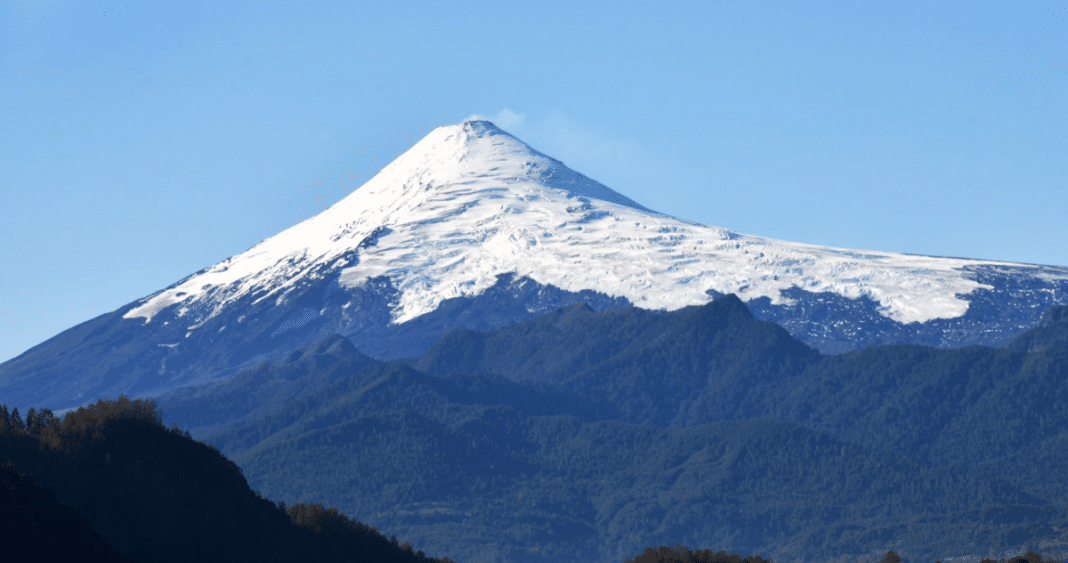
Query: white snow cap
column 470, row 202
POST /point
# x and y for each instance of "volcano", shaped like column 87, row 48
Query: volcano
column 472, row 228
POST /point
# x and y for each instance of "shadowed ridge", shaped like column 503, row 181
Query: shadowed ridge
column 1052, row 330
column 460, row 350
column 464, row 350
column 154, row 494
column 577, row 344
column 323, row 353
column 696, row 365
column 727, row 308
column 565, row 317
column 264, row 386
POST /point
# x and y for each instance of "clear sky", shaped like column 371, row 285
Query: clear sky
column 143, row 141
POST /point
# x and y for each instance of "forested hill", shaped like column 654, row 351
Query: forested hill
column 110, row 483
column 596, row 434
column 689, row 343
column 973, row 405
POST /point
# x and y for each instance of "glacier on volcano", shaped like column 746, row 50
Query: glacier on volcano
column 470, row 202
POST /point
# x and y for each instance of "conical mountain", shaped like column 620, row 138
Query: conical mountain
column 471, row 202
column 465, row 204
column 472, row 228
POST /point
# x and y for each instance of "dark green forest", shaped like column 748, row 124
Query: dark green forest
column 576, row 436
column 110, row 483
column 132, row 491
column 589, row 436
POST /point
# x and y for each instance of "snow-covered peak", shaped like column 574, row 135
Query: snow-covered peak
column 470, row 202
column 477, row 150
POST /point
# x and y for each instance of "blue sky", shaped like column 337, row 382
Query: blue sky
column 143, row 141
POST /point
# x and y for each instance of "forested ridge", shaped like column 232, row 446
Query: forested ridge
column 583, row 436
column 587, row 436
column 558, row 485
column 973, row 405
column 109, row 483
column 152, row 504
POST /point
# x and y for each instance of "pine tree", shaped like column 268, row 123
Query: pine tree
column 16, row 421
column 37, row 421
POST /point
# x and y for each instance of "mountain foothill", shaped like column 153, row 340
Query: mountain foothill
column 589, row 436
column 578, row 435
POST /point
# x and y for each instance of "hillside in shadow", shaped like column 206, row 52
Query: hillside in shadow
column 110, row 483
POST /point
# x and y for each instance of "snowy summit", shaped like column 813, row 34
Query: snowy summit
column 470, row 202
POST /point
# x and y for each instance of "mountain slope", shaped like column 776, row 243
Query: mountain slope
column 472, row 228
